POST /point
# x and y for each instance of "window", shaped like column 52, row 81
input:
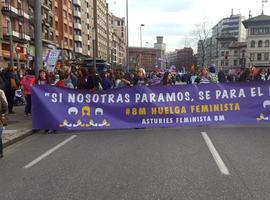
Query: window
column 267, row 43
column 71, row 43
column 266, row 56
column 235, row 53
column 259, row 56
column 260, row 43
column 65, row 14
column 235, row 63
column 252, row 56
column 252, row 44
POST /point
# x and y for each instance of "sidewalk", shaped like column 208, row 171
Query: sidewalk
column 18, row 127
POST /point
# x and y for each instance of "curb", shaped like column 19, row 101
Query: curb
column 19, row 138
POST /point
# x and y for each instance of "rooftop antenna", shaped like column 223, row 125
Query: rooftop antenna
column 232, row 13
column 263, row 2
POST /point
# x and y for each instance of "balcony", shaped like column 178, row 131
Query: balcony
column 25, row 37
column 10, row 11
column 77, row 2
column 77, row 26
column 77, row 13
column 47, row 22
column 78, row 38
column 78, row 49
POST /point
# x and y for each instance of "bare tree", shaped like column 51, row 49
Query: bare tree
column 202, row 33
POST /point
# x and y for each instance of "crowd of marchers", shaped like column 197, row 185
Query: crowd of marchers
column 13, row 81
column 16, row 84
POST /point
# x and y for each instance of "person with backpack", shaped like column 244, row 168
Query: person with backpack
column 11, row 85
column 212, row 74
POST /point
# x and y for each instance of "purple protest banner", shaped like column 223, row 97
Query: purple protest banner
column 149, row 107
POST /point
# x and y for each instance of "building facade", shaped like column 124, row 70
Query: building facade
column 216, row 49
column 226, row 32
column 160, row 46
column 48, row 26
column 64, row 27
column 100, row 10
column 146, row 58
column 185, row 59
column 83, row 27
column 14, row 19
column 171, row 59
column 119, row 44
column 258, row 41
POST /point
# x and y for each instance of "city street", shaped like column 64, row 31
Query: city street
column 230, row 162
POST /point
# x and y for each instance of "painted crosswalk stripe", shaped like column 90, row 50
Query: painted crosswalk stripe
column 221, row 165
column 49, row 152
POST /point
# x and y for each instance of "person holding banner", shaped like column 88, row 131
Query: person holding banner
column 204, row 75
column 167, row 79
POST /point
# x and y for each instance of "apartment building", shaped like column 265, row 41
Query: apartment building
column 48, row 26
column 226, row 32
column 119, row 42
column 83, row 27
column 258, row 41
column 64, row 26
column 14, row 19
column 100, row 10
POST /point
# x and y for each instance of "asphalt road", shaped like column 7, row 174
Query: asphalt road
column 142, row 164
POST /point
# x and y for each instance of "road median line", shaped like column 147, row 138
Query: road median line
column 49, row 152
column 221, row 165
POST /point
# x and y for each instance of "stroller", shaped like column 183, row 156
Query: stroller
column 19, row 98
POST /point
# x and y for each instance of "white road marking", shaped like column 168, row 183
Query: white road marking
column 49, row 152
column 221, row 165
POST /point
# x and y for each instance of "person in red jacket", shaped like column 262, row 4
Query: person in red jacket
column 61, row 82
column 27, row 82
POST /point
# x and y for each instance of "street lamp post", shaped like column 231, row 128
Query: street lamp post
column 141, row 43
column 38, row 37
column 141, row 34
column 10, row 32
column 127, row 52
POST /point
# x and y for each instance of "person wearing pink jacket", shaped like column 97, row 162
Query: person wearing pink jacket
column 27, row 82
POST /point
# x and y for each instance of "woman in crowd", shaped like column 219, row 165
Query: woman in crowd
column 120, row 81
column 141, row 78
column 204, row 76
column 27, row 82
column 42, row 78
column 105, row 81
column 82, row 78
column 68, row 81
column 12, row 84
column 93, row 81
column 167, row 79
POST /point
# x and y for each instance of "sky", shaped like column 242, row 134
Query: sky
column 176, row 20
